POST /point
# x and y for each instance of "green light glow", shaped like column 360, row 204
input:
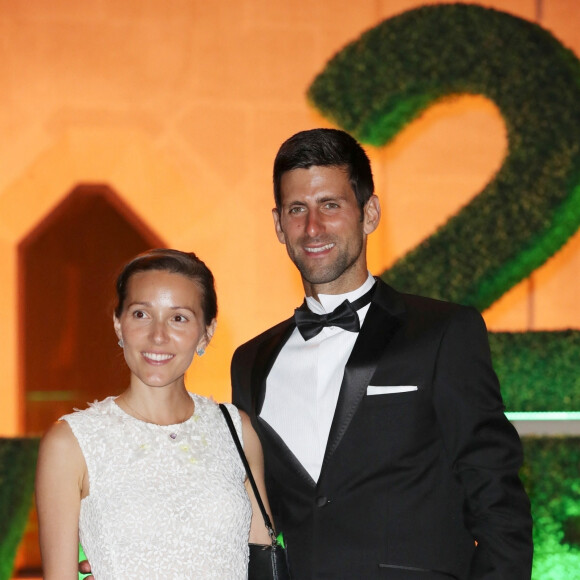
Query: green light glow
column 45, row 396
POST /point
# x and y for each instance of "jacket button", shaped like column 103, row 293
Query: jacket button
column 321, row 501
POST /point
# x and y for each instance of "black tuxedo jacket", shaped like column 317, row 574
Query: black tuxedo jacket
column 411, row 480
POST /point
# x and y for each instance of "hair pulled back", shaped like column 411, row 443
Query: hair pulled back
column 175, row 262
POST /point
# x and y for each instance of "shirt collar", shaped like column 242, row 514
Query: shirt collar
column 328, row 302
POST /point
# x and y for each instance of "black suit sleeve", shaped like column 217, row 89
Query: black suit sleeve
column 241, row 392
column 484, row 450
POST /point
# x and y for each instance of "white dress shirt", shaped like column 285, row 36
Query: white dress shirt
column 303, row 386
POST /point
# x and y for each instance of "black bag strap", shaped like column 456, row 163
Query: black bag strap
column 267, row 521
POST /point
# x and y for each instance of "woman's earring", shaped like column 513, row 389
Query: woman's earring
column 200, row 351
column 121, row 343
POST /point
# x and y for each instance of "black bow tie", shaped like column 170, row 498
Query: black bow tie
column 310, row 324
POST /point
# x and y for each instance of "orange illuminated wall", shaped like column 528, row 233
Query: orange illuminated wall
column 179, row 107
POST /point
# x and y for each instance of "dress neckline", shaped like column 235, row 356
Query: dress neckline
column 179, row 424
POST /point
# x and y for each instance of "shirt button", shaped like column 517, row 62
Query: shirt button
column 321, row 501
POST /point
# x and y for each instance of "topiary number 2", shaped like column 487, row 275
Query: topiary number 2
column 393, row 72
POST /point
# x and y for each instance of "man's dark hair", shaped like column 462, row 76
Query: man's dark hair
column 325, row 147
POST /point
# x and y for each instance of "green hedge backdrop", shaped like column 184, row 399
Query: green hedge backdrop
column 17, row 466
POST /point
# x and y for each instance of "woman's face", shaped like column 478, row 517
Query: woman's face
column 161, row 327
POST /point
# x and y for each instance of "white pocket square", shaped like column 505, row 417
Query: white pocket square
column 389, row 390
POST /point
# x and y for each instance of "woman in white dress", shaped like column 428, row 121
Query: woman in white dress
column 150, row 481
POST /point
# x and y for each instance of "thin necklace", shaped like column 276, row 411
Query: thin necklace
column 172, row 434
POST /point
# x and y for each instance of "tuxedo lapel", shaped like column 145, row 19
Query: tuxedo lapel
column 381, row 322
column 282, row 453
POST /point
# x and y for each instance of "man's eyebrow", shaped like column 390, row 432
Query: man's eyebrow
column 322, row 199
column 335, row 197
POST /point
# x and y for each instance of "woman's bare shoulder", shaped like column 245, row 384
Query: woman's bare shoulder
column 59, row 438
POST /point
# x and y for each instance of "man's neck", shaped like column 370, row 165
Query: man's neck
column 334, row 287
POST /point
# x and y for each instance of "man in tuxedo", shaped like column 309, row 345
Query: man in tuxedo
column 387, row 451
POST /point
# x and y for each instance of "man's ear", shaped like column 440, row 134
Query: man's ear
column 371, row 214
column 278, row 226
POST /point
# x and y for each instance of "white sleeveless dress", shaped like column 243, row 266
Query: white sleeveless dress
column 162, row 507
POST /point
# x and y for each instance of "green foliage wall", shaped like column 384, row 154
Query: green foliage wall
column 538, row 371
column 17, row 467
column 551, row 475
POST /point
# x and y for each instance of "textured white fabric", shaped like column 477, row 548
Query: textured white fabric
column 160, row 508
column 303, row 386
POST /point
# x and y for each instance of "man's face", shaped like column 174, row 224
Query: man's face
column 321, row 225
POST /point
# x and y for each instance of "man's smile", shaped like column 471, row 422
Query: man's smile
column 319, row 249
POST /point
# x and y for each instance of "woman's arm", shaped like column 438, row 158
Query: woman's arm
column 61, row 481
column 253, row 451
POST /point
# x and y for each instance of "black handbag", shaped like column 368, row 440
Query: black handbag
column 267, row 561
